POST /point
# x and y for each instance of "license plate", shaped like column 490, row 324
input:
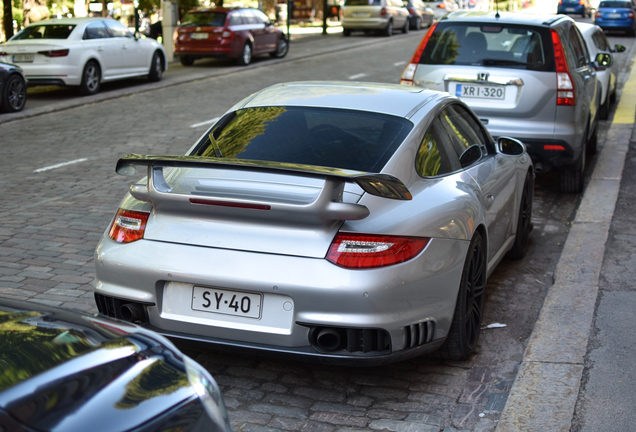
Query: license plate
column 614, row 15
column 480, row 92
column 227, row 302
column 198, row 36
column 23, row 58
column 362, row 14
column 570, row 9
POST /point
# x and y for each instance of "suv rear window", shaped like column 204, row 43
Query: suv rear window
column 335, row 138
column 614, row 4
column 490, row 44
column 363, row 3
column 209, row 19
column 49, row 31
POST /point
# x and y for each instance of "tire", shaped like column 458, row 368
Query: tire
column 613, row 96
column 246, row 55
column 186, row 60
column 156, row 67
column 466, row 325
column 388, row 31
column 603, row 112
column 281, row 49
column 524, row 221
column 571, row 179
column 346, row 32
column 405, row 29
column 14, row 94
column 418, row 24
column 91, row 78
column 592, row 143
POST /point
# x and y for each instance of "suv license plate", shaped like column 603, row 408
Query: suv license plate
column 480, row 92
column 23, row 58
column 227, row 302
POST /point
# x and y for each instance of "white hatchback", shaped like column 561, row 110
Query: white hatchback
column 83, row 52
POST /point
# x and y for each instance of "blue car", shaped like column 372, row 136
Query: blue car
column 582, row 7
column 616, row 15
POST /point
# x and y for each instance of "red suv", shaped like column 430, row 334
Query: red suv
column 237, row 33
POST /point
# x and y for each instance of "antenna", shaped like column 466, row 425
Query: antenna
column 497, row 7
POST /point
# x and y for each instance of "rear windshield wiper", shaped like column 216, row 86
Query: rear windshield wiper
column 501, row 62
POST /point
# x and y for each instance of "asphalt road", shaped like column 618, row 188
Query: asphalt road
column 52, row 216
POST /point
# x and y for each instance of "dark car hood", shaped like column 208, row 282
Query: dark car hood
column 63, row 371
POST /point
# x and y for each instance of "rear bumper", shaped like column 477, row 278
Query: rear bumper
column 549, row 153
column 365, row 24
column 298, row 294
column 210, row 51
column 622, row 25
column 52, row 74
column 568, row 9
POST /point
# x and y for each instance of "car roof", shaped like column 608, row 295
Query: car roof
column 504, row 17
column 69, row 20
column 587, row 27
column 392, row 99
column 217, row 9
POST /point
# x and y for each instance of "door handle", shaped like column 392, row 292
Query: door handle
column 124, row 46
column 100, row 48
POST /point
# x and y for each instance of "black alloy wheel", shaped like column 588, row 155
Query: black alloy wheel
column 524, row 222
column 15, row 94
column 406, row 27
column 418, row 24
column 469, row 309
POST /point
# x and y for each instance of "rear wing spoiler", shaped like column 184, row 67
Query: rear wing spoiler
column 328, row 205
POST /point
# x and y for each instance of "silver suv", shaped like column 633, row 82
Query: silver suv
column 383, row 16
column 525, row 76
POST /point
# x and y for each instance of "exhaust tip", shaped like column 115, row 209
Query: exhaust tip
column 132, row 312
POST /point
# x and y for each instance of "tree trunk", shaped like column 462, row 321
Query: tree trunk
column 7, row 19
column 104, row 8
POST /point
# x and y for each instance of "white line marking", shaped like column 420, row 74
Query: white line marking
column 196, row 125
column 352, row 77
column 399, row 63
column 60, row 165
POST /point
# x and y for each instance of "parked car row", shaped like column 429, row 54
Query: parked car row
column 490, row 61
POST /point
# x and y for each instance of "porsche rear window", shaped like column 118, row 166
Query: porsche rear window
column 490, row 44
column 209, row 19
column 614, row 4
column 48, row 31
column 332, row 138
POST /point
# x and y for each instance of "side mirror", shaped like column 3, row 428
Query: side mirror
column 510, row 146
column 471, row 155
column 619, row 48
column 603, row 59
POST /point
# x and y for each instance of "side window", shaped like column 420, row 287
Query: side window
column 117, row 29
column 236, row 19
column 466, row 135
column 601, row 41
column 578, row 46
column 95, row 30
column 260, row 16
column 432, row 159
column 249, row 17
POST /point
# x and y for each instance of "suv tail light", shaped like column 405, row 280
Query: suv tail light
column 54, row 53
column 363, row 251
column 409, row 70
column 565, row 84
column 383, row 12
column 227, row 34
column 128, row 226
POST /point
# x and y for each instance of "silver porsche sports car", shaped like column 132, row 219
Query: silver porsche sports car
column 346, row 222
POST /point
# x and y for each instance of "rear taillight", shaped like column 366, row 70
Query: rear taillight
column 128, row 226
column 630, row 15
column 2, row 53
column 565, row 84
column 409, row 70
column 441, row 6
column 227, row 34
column 597, row 14
column 383, row 12
column 411, row 11
column 54, row 53
column 581, row 2
column 363, row 251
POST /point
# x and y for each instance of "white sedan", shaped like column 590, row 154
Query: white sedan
column 597, row 42
column 83, row 52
